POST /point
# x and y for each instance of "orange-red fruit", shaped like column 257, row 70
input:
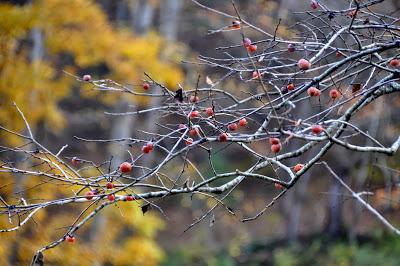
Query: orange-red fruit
column 303, row 64
column 274, row 141
column 394, row 62
column 232, row 126
column 236, row 24
column 312, row 91
column 109, row 185
column 182, row 126
column 209, row 111
column 146, row 86
column 129, row 198
column 291, row 48
column 223, row 137
column 316, row 129
column 298, row 167
column 147, row 148
column 278, row 186
column 125, row 167
column 189, row 141
column 242, row 122
column 314, row 4
column 75, row 161
column 256, row 74
column 252, row 48
column 275, row 148
column 194, row 99
column 87, row 78
column 290, row 87
column 111, row 197
column 89, row 195
column 193, row 132
column 194, row 114
column 246, row 42
column 333, row 93
column 70, row 239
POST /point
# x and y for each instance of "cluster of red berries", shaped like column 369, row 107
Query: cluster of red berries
column 148, row 147
column 275, row 145
column 249, row 45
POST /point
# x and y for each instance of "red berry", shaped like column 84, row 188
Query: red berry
column 236, row 24
column 256, row 74
column 111, row 197
column 334, row 93
column 314, row 4
column 194, row 132
column 147, row 148
column 274, row 141
column 290, row 87
column 129, row 198
column 194, row 99
column 246, row 42
column 394, row 62
column 298, row 167
column 352, row 13
column 223, row 137
column 316, row 129
column 232, row 126
column 303, row 64
column 312, row 91
column 109, row 185
column 182, row 126
column 252, row 48
column 209, row 111
column 75, row 161
column 278, row 186
column 89, row 195
column 275, row 148
column 70, row 239
column 87, row 78
column 189, row 141
column 338, row 54
column 194, row 114
column 125, row 167
column 291, row 48
column 242, row 122
column 146, row 86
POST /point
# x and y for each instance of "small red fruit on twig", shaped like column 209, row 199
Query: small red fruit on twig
column 236, row 24
column 278, row 186
column 146, row 86
column 181, row 126
column 275, row 148
column 394, row 62
column 194, row 114
column 232, row 126
column 209, row 111
column 274, row 141
column 256, row 75
column 109, row 185
column 87, row 78
column 189, row 141
column 334, row 93
column 111, row 197
column 129, row 198
column 290, row 87
column 246, row 42
column 252, row 48
column 70, row 239
column 314, row 4
column 194, row 132
column 313, row 92
column 291, row 48
column 303, row 64
column 298, row 167
column 89, row 195
column 223, row 137
column 316, row 129
column 352, row 13
column 125, row 167
column 242, row 122
column 75, row 161
column 147, row 148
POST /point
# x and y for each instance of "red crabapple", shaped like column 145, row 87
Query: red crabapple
column 125, row 167
column 303, row 64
